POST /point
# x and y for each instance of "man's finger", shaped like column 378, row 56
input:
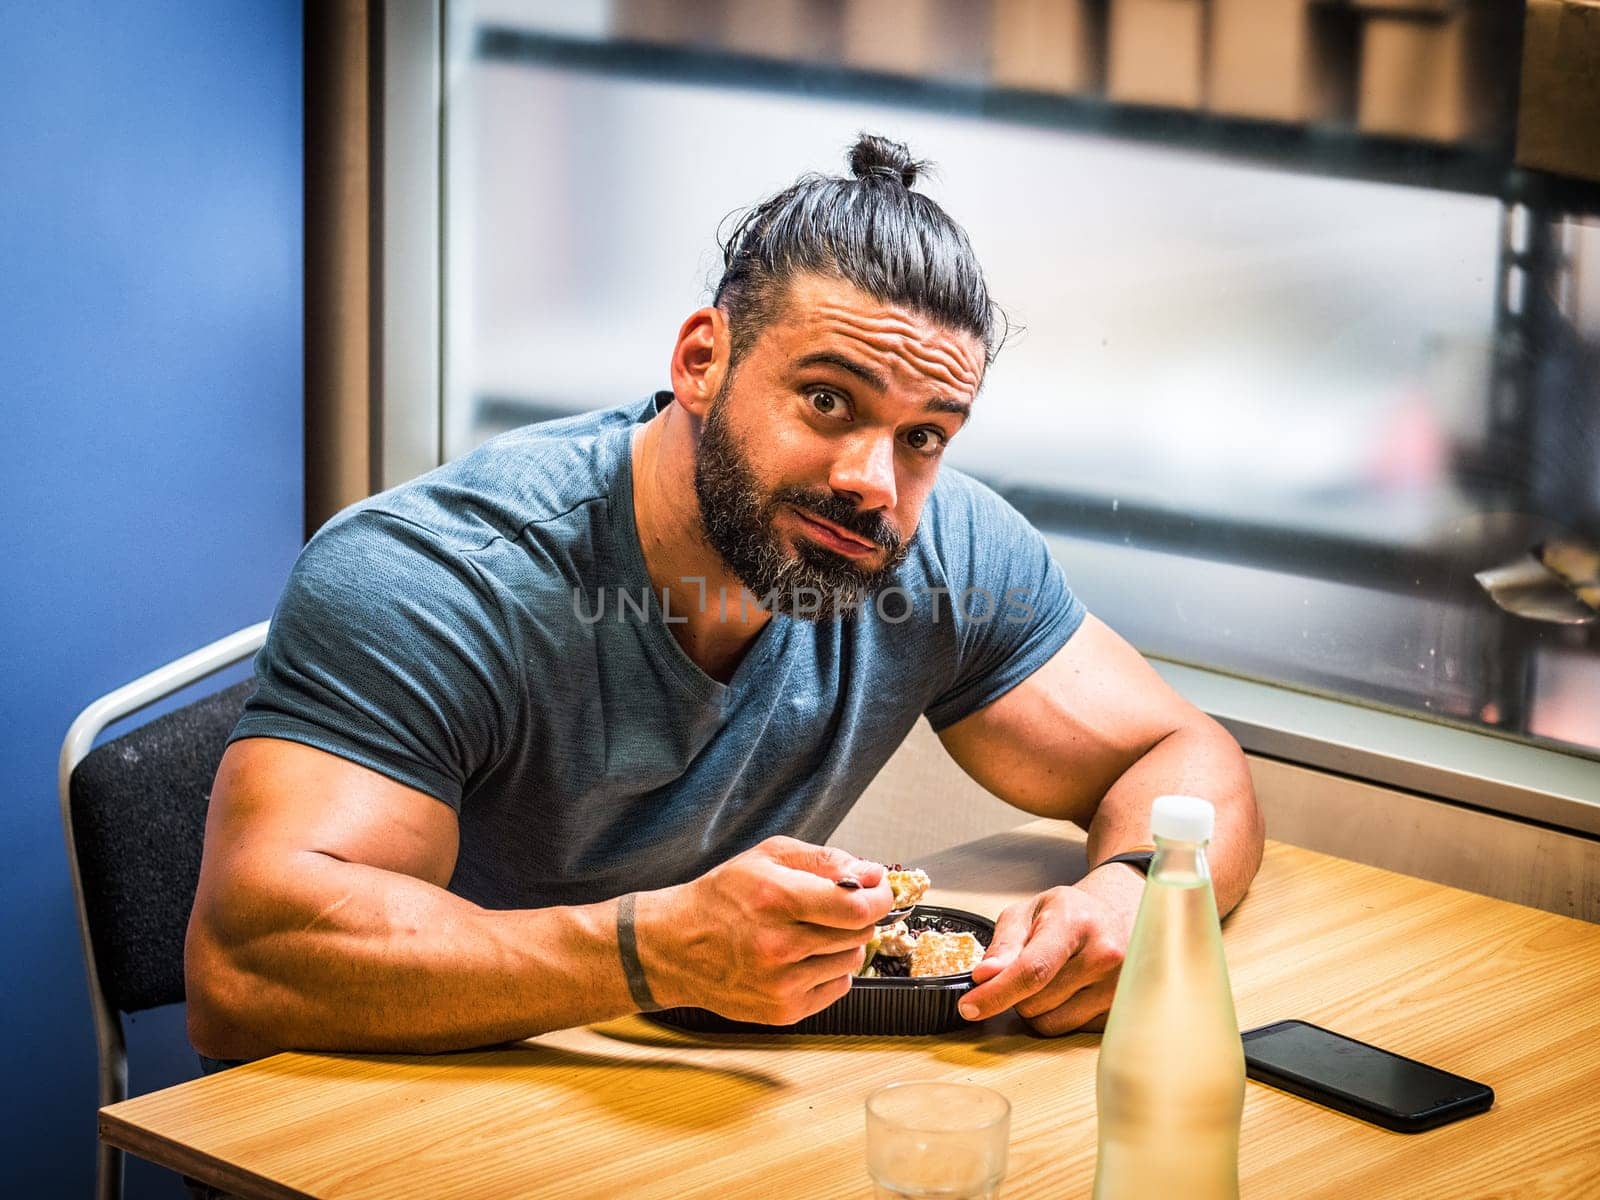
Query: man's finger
column 1010, row 934
column 828, row 862
column 812, row 900
column 1085, row 1009
column 811, row 940
column 824, row 994
column 1035, row 969
column 1060, row 992
column 821, row 969
column 1049, row 947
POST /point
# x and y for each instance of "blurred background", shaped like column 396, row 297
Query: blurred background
column 1299, row 350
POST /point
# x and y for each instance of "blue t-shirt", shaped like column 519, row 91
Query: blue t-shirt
column 488, row 634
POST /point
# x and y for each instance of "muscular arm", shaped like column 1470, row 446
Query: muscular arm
column 322, row 922
column 1094, row 736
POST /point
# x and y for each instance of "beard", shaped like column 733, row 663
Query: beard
column 738, row 515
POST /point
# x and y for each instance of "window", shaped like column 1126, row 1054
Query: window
column 1277, row 408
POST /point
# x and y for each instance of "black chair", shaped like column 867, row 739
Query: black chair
column 134, row 814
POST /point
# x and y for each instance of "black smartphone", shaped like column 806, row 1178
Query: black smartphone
column 1352, row 1077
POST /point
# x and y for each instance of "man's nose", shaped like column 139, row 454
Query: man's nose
column 865, row 471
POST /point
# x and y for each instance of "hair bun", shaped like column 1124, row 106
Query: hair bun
column 873, row 155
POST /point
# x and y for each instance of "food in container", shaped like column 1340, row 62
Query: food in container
column 889, row 1004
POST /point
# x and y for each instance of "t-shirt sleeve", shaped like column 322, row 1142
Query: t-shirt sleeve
column 389, row 650
column 1010, row 602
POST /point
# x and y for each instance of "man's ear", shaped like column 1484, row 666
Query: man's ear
column 700, row 359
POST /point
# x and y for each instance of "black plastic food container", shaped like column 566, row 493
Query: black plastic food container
column 881, row 1007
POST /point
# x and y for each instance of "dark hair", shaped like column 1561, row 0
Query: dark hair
column 872, row 231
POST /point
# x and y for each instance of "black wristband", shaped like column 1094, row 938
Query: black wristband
column 628, row 950
column 1138, row 859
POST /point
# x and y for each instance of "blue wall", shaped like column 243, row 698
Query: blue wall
column 150, row 427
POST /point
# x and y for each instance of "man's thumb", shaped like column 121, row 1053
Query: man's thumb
column 1010, row 935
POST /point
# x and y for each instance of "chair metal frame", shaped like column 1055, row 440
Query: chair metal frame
column 113, row 706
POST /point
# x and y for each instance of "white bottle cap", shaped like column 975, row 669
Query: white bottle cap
column 1182, row 818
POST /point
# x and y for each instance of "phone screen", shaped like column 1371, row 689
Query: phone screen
column 1296, row 1052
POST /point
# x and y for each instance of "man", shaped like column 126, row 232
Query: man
column 526, row 753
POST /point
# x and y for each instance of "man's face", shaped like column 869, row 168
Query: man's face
column 819, row 452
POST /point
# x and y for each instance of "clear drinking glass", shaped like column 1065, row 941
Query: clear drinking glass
column 930, row 1138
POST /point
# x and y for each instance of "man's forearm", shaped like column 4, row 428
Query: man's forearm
column 355, row 958
column 1201, row 759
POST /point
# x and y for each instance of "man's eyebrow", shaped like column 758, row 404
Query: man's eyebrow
column 941, row 404
column 827, row 358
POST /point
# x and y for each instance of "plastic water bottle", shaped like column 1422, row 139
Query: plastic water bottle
column 1170, row 1082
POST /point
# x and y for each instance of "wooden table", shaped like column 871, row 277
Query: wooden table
column 1501, row 993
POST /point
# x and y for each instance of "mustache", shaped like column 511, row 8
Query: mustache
column 830, row 506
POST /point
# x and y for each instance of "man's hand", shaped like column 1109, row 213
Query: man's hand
column 768, row 936
column 1056, row 957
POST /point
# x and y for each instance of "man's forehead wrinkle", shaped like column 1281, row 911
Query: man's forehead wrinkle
column 938, row 365
column 892, row 332
column 939, row 358
column 953, row 356
column 891, row 321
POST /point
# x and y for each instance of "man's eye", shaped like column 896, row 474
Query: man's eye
column 927, row 441
column 828, row 404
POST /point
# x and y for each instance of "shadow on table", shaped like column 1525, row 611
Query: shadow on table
column 669, row 1094
column 979, row 1045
